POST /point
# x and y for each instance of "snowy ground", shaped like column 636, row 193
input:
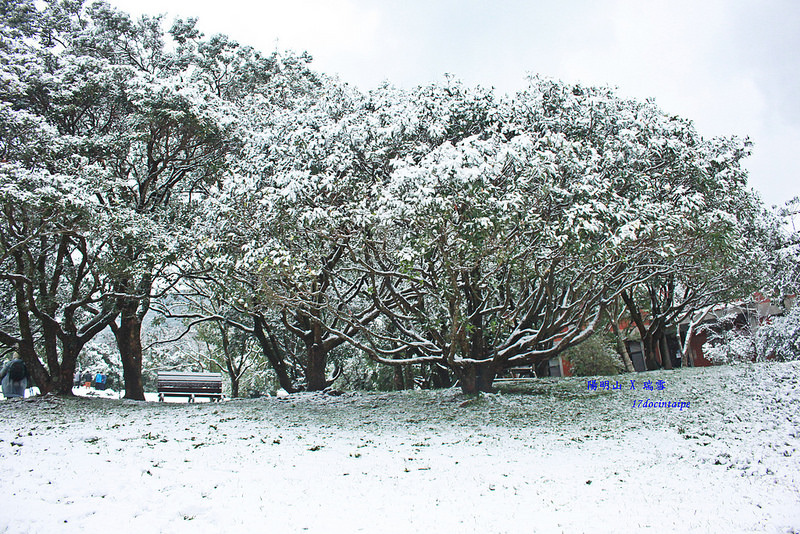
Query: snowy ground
column 552, row 458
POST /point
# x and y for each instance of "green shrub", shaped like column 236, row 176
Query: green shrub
column 595, row 356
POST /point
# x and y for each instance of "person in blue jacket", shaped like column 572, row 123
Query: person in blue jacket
column 100, row 382
column 14, row 376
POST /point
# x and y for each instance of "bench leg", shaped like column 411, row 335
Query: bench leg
column 191, row 398
column 160, row 397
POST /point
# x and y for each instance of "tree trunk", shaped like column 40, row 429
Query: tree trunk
column 270, row 349
column 27, row 347
column 317, row 350
column 129, row 341
column 230, row 368
column 66, row 373
column 409, row 377
column 315, row 372
column 399, row 383
column 234, row 387
column 27, row 351
column 650, row 356
column 475, row 378
column 646, row 333
column 666, row 358
column 57, row 376
column 440, row 377
column 41, row 378
column 687, row 354
column 622, row 350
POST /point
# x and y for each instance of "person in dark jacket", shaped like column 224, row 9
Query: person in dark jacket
column 14, row 377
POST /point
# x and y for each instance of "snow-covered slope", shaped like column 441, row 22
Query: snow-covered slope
column 556, row 457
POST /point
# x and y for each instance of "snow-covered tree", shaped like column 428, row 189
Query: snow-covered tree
column 283, row 219
column 779, row 339
column 713, row 258
column 279, row 100
column 776, row 231
column 497, row 232
column 122, row 106
column 441, row 226
column 53, row 259
column 729, row 340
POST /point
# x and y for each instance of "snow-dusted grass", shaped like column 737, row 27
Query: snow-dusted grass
column 542, row 456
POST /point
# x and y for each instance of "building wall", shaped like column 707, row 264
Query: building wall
column 696, row 346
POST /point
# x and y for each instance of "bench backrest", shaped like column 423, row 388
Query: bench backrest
column 178, row 381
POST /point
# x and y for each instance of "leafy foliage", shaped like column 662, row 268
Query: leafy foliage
column 780, row 339
column 729, row 341
column 595, row 356
column 443, row 227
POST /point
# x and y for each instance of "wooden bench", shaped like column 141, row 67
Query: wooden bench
column 192, row 385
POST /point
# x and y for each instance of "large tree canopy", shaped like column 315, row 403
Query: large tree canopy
column 134, row 136
column 447, row 226
column 443, row 225
column 497, row 232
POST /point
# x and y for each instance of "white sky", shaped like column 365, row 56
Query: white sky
column 732, row 66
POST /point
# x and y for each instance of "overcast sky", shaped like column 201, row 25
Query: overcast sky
column 732, row 66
